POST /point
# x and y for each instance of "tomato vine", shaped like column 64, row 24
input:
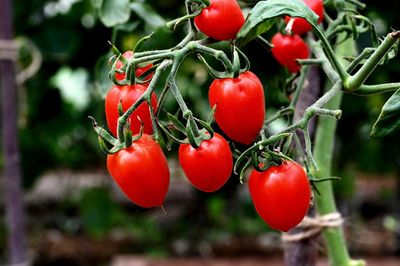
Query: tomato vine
column 237, row 96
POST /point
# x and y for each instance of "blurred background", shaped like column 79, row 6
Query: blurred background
column 75, row 214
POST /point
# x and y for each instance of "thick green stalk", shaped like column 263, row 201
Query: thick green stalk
column 323, row 151
column 325, row 202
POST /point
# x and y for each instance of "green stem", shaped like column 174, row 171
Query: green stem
column 325, row 202
column 330, row 54
column 354, row 82
column 323, row 152
column 374, row 89
column 146, row 96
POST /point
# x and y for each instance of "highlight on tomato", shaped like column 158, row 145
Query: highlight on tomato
column 139, row 71
column 288, row 48
column 300, row 25
column 240, row 106
column 281, row 195
column 128, row 95
column 141, row 172
column 221, row 20
column 209, row 166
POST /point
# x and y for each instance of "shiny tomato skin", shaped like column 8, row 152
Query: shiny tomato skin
column 288, row 48
column 138, row 71
column 281, row 195
column 240, row 106
column 300, row 25
column 221, row 20
column 129, row 94
column 209, row 166
column 141, row 172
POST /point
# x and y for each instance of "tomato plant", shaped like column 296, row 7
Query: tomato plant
column 300, row 25
column 139, row 71
column 240, row 107
column 281, row 195
column 288, row 48
column 127, row 95
column 209, row 166
column 221, row 20
column 141, row 171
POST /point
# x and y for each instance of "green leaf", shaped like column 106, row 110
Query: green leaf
column 389, row 119
column 114, row 12
column 261, row 17
column 147, row 13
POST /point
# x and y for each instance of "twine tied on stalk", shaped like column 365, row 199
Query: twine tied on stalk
column 313, row 226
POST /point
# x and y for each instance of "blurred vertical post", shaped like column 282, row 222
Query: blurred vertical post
column 304, row 252
column 12, row 172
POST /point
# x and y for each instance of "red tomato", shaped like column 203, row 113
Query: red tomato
column 209, row 166
column 221, row 20
column 300, row 25
column 139, row 70
column 288, row 48
column 129, row 95
column 281, row 195
column 240, row 105
column 141, row 171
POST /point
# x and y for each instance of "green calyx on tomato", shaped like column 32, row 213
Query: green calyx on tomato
column 300, row 26
column 209, row 166
column 239, row 106
column 281, row 195
column 120, row 73
column 127, row 95
column 221, row 20
column 141, row 172
column 288, row 48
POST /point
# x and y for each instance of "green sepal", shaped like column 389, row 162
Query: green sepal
column 169, row 134
column 139, row 44
column 206, row 126
column 114, row 49
column 128, row 135
column 215, row 74
column 113, row 69
column 259, row 146
column 175, row 121
column 243, row 171
column 191, row 127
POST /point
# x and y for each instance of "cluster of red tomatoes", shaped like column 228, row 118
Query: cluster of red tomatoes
column 281, row 194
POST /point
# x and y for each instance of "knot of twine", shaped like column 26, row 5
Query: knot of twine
column 8, row 50
column 313, row 226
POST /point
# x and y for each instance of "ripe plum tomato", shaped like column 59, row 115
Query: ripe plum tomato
column 240, row 107
column 281, row 195
column 300, row 25
column 129, row 94
column 221, row 20
column 139, row 71
column 141, row 171
column 288, row 48
column 209, row 166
